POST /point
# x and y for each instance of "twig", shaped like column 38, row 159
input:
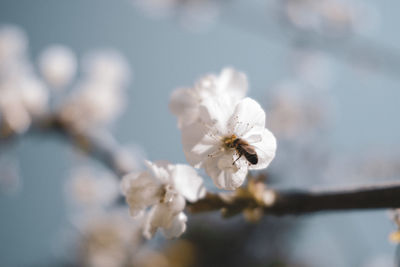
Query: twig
column 301, row 202
column 282, row 202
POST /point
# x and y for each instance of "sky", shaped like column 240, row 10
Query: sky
column 164, row 56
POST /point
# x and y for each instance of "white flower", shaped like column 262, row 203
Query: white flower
column 92, row 105
column 21, row 100
column 100, row 97
column 107, row 238
column 185, row 102
column 13, row 44
column 57, row 64
column 212, row 143
column 107, row 67
column 88, row 189
column 164, row 187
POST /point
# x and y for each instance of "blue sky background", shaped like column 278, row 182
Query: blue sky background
column 165, row 56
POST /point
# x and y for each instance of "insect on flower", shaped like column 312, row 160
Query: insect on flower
column 242, row 148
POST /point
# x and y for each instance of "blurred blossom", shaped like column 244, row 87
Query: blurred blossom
column 294, row 112
column 130, row 157
column 100, row 97
column 165, row 188
column 92, row 105
column 90, row 188
column 313, row 68
column 185, row 102
column 22, row 95
column 106, row 66
column 193, row 14
column 333, row 18
column 150, row 258
column 58, row 65
column 13, row 44
column 108, row 239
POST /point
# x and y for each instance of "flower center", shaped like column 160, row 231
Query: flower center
column 229, row 141
column 167, row 194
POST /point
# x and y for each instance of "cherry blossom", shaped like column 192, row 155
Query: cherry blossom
column 185, row 102
column 58, row 65
column 211, row 143
column 165, row 188
column 100, row 96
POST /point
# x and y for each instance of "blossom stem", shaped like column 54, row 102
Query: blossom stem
column 286, row 202
column 297, row 202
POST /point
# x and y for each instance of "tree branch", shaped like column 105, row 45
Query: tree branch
column 280, row 202
column 301, row 202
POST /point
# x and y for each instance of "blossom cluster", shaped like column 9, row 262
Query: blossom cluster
column 223, row 131
column 23, row 96
column 95, row 100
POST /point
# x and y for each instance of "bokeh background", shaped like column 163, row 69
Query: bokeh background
column 341, row 78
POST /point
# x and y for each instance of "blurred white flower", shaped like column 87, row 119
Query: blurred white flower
column 57, row 64
column 88, row 188
column 296, row 111
column 108, row 239
column 99, row 98
column 22, row 95
column 92, row 105
column 185, row 102
column 217, row 142
column 333, row 18
column 164, row 187
column 106, row 66
column 13, row 44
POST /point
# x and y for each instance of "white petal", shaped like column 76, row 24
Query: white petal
column 224, row 174
column 233, row 83
column 140, row 191
column 58, row 65
column 160, row 170
column 188, row 183
column 185, row 105
column 177, row 227
column 215, row 112
column 162, row 215
column 265, row 149
column 198, row 143
column 248, row 115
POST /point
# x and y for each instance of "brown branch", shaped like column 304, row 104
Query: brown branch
column 100, row 146
column 301, row 202
column 280, row 202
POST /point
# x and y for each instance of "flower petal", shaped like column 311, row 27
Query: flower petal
column 198, row 143
column 226, row 175
column 185, row 105
column 233, row 83
column 177, row 227
column 159, row 170
column 188, row 183
column 140, row 191
column 265, row 149
column 248, row 115
column 162, row 215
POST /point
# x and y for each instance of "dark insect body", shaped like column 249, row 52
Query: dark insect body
column 243, row 149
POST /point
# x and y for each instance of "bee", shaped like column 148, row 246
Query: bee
column 243, row 149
